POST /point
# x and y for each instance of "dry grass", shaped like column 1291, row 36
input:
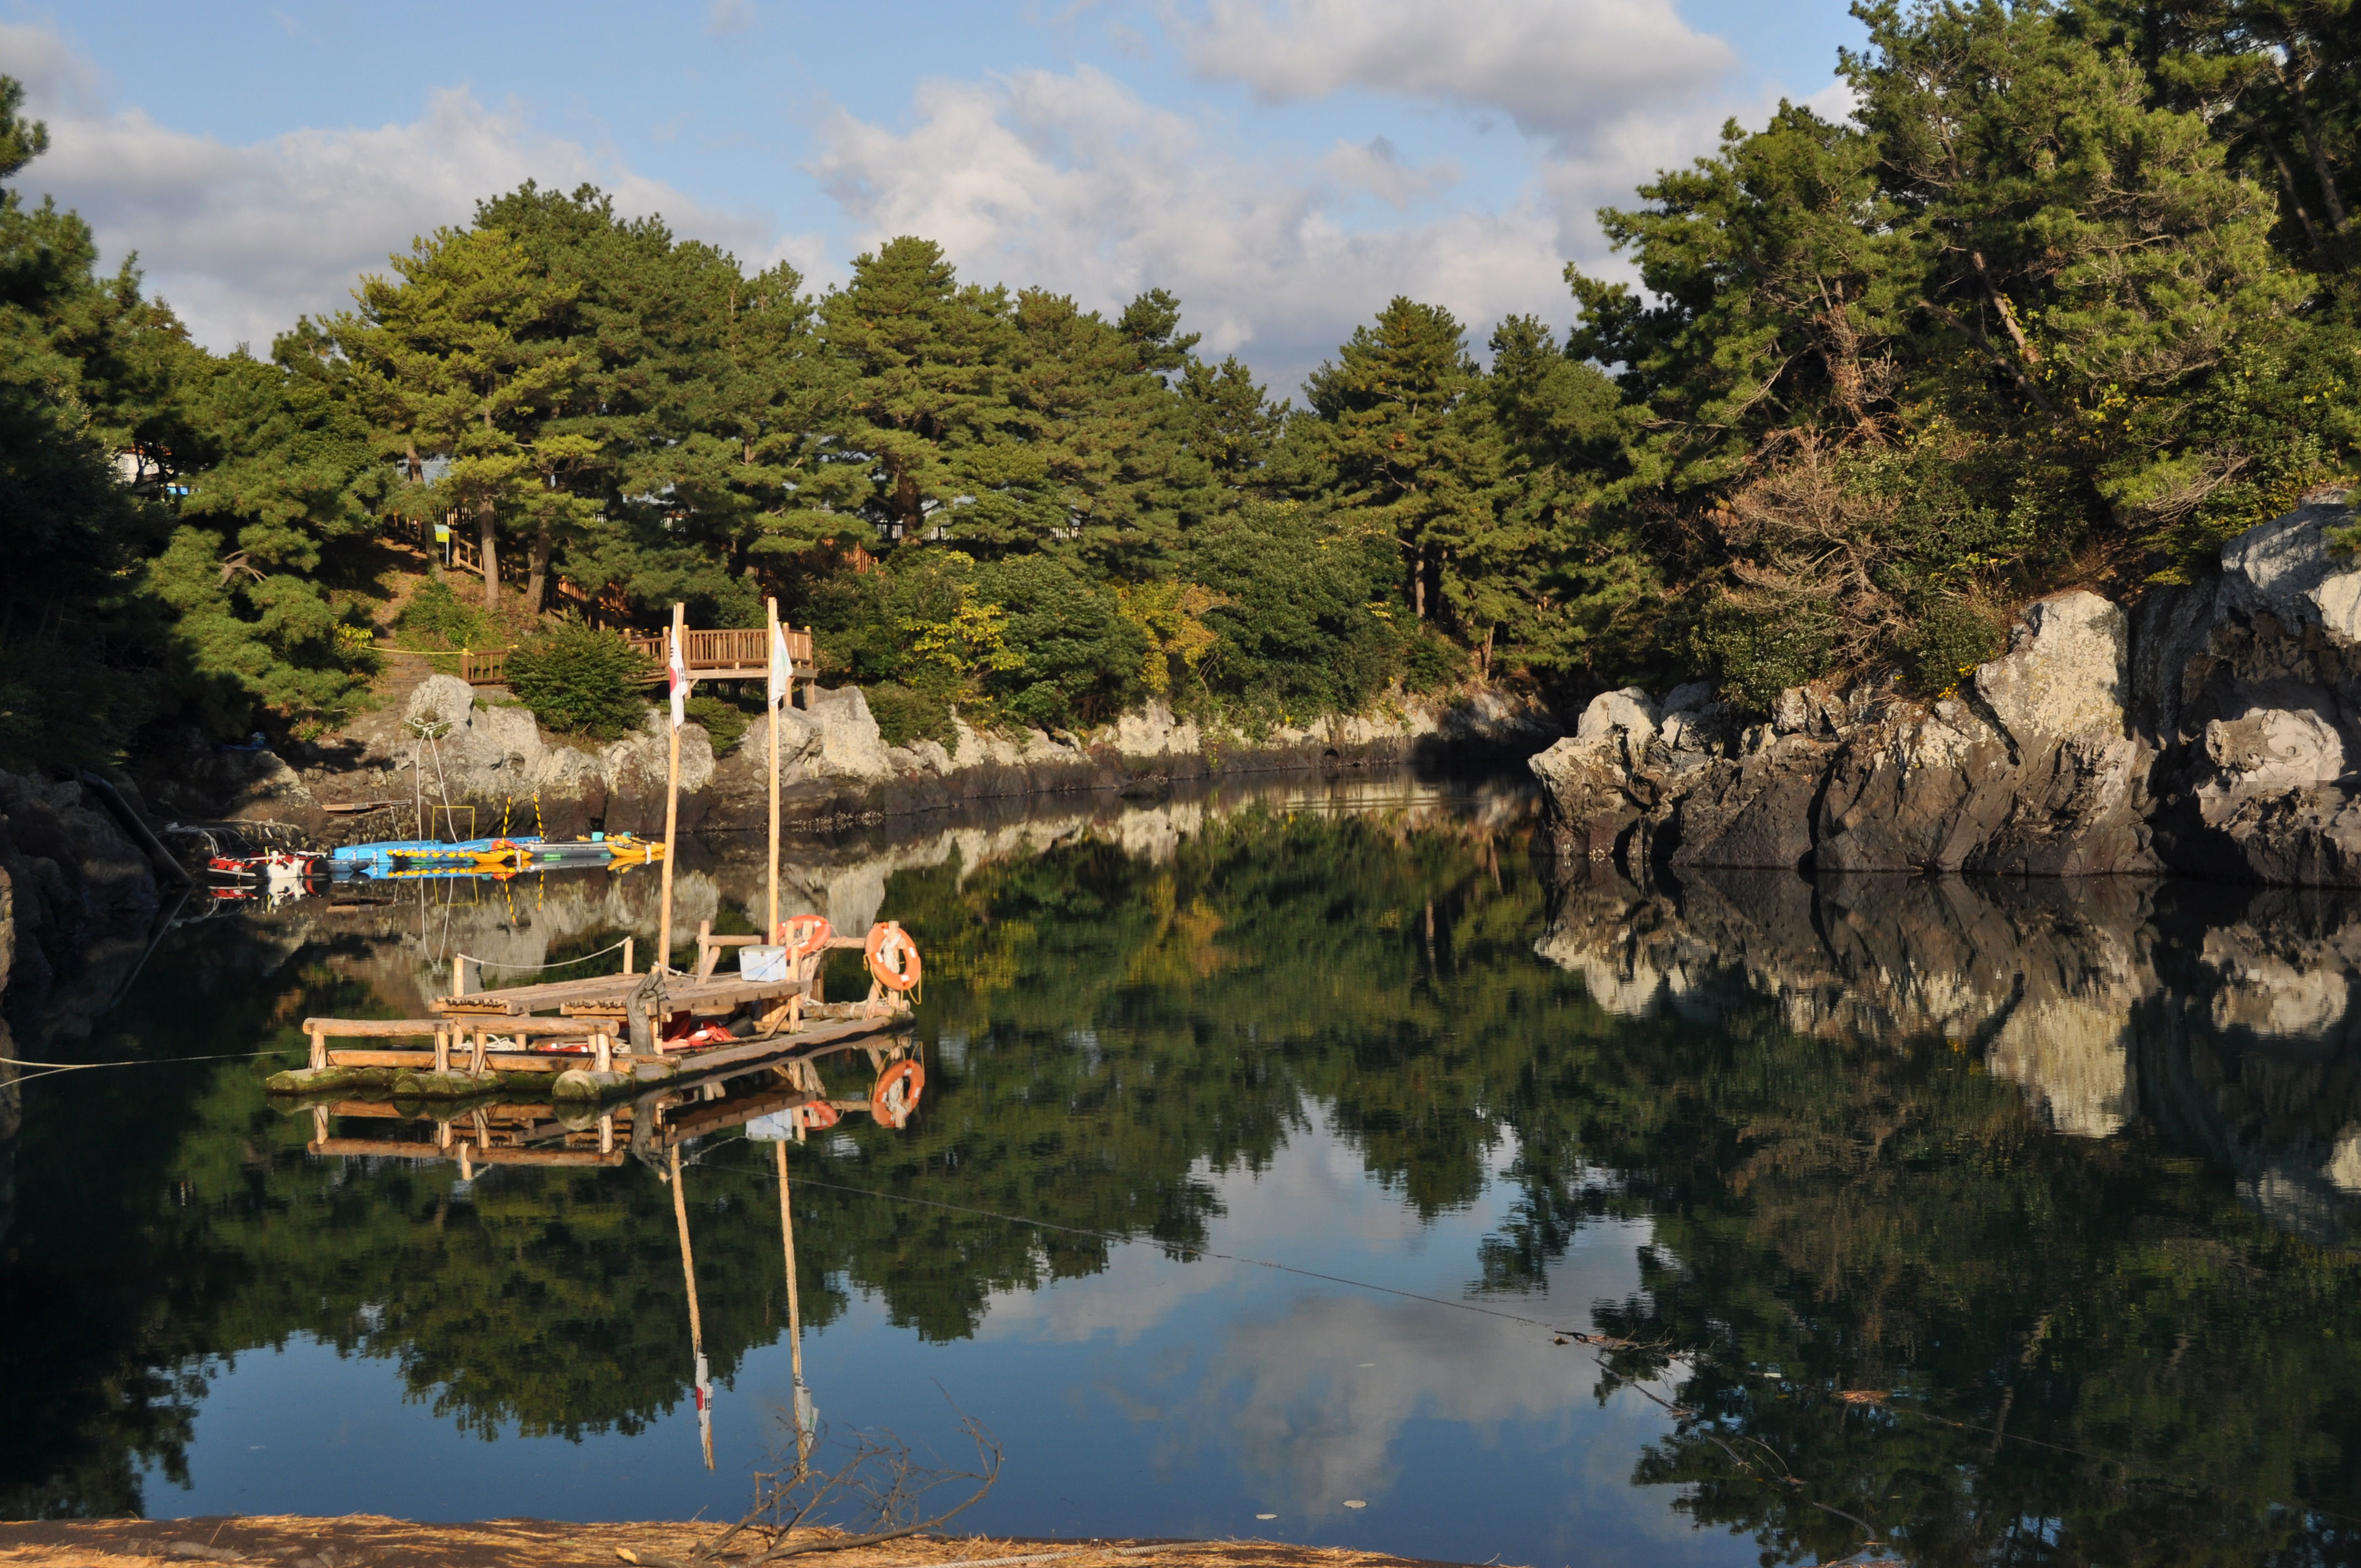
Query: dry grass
column 366, row 1540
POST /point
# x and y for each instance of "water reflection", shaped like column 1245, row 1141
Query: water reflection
column 2219, row 1016
column 2063, row 1174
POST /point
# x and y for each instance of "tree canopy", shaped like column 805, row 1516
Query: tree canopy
column 2066, row 299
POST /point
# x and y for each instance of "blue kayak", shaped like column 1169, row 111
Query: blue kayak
column 389, row 855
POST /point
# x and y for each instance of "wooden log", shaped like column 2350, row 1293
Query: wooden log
column 397, row 1028
column 441, row 1051
column 400, row 1148
column 319, row 1053
column 423, row 1061
column 328, row 1079
column 580, row 1083
column 627, row 942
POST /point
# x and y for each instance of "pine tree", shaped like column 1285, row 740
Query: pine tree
column 449, row 360
column 1407, row 447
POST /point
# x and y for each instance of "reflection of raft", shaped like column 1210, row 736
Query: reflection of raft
column 609, row 1035
column 492, row 1129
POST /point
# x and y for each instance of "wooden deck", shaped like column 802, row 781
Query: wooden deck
column 604, row 1031
column 493, row 1132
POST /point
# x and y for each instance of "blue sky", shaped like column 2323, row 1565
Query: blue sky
column 1285, row 166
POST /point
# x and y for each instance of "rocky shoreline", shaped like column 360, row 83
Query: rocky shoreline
column 2205, row 732
column 483, row 753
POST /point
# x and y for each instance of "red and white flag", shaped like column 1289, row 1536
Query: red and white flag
column 679, row 672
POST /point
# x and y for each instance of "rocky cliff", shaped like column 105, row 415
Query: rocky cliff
column 486, row 757
column 2206, row 730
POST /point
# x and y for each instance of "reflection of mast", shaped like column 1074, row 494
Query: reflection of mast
column 804, row 1414
column 696, row 1326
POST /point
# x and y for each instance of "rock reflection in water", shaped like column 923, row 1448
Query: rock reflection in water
column 2219, row 1017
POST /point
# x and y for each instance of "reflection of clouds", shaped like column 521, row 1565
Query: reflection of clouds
column 1278, row 1384
column 1139, row 1290
column 1318, row 1428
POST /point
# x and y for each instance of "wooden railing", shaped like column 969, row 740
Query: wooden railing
column 726, row 654
column 488, row 668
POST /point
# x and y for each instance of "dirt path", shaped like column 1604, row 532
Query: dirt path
column 365, row 1541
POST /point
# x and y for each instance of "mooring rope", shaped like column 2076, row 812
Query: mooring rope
column 51, row 1068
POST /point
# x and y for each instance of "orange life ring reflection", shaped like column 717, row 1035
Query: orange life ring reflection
column 896, row 1094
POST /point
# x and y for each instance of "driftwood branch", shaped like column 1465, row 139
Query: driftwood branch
column 876, row 1491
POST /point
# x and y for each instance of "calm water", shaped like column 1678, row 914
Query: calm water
column 2055, row 1182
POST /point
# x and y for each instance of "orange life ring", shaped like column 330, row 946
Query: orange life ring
column 896, row 1094
column 803, row 934
column 820, row 1113
column 892, row 957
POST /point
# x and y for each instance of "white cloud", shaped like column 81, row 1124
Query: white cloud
column 242, row 239
column 728, row 17
column 1071, row 182
column 1559, row 68
column 1376, row 165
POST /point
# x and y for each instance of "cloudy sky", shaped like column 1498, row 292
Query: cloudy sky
column 1284, row 166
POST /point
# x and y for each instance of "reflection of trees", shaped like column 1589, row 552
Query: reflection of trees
column 1105, row 1029
column 2137, row 1368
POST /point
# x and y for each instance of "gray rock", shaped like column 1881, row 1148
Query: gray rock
column 440, row 699
column 2063, row 675
column 2286, row 569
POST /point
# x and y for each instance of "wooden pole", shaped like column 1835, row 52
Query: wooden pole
column 795, row 1312
column 672, row 809
column 695, row 1325
column 787, row 1238
column 771, row 930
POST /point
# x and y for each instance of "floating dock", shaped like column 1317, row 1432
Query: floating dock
column 788, row 1094
column 615, row 1034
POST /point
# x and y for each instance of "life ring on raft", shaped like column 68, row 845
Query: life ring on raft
column 896, row 1094
column 892, row 957
column 804, row 935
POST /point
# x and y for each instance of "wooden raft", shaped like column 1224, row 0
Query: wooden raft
column 607, row 1026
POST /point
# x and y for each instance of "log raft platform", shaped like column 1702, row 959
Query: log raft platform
column 492, row 1131
column 591, row 1038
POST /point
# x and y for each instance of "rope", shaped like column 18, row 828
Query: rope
column 51, row 1068
column 535, row 969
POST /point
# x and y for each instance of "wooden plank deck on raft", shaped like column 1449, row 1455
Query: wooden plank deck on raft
column 642, row 1066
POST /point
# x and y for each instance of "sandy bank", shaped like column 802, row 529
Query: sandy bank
column 366, row 1539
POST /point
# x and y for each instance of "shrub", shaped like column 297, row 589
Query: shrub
column 1760, row 650
column 722, row 719
column 578, row 681
column 1069, row 656
column 434, row 614
column 903, row 715
column 1950, row 638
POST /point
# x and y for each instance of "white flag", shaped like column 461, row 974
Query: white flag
column 782, row 668
column 679, row 672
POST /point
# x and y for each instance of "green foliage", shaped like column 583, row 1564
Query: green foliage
column 435, row 615
column 724, row 719
column 903, row 715
column 1946, row 641
column 578, row 681
column 1758, row 650
column 1305, row 626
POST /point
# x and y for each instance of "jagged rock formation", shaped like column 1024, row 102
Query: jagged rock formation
column 2206, row 732
column 476, row 749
